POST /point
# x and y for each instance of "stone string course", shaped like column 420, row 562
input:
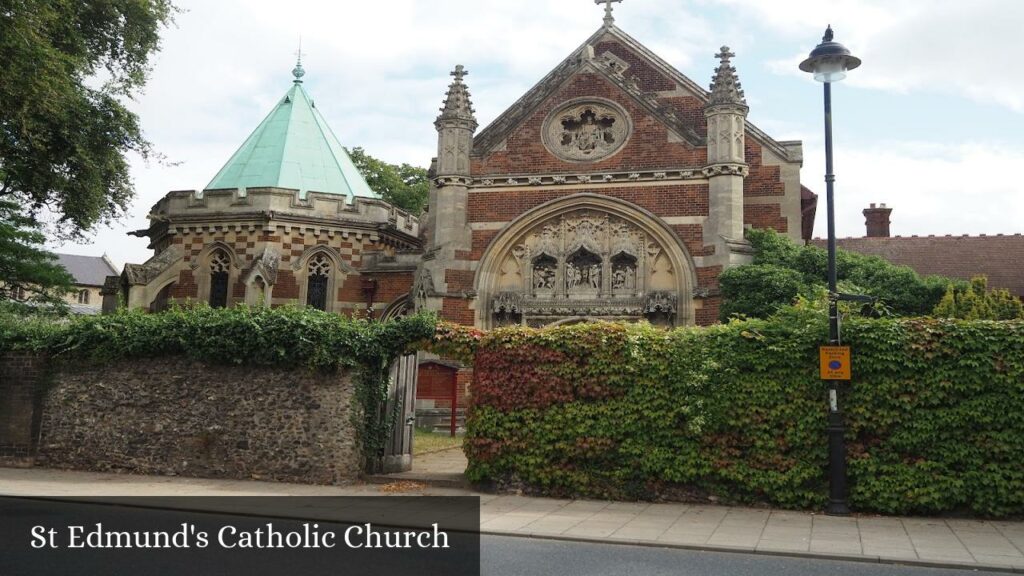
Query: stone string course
column 179, row 417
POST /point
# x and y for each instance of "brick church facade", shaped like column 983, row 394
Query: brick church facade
column 616, row 188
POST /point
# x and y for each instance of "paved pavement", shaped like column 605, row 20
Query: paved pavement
column 533, row 557
column 439, row 468
column 923, row 541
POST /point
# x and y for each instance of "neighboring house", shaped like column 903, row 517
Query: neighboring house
column 89, row 272
column 999, row 257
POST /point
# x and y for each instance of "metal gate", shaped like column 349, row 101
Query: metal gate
column 401, row 403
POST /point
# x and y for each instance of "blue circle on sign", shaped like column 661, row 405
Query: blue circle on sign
column 835, row 365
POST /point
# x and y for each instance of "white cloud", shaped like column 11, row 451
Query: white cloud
column 948, row 46
column 378, row 72
column 932, row 188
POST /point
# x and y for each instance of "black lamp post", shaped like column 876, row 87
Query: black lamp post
column 829, row 62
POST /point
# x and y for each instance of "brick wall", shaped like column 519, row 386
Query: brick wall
column 291, row 244
column 664, row 201
column 648, row 147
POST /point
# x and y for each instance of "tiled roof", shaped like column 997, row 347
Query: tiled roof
column 1000, row 257
column 87, row 270
column 293, row 148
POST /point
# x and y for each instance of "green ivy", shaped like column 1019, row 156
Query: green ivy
column 782, row 269
column 935, row 413
column 286, row 337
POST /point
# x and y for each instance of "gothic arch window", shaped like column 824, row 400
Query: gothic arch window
column 83, row 296
column 220, row 275
column 586, row 257
column 317, row 281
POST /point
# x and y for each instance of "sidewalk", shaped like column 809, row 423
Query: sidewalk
column 971, row 544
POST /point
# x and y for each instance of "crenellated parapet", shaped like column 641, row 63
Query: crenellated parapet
column 229, row 207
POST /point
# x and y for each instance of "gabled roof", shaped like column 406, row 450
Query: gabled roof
column 498, row 130
column 293, row 148
column 999, row 257
column 87, row 270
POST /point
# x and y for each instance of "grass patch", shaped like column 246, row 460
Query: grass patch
column 429, row 441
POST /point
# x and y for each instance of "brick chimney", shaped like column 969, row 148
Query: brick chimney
column 877, row 220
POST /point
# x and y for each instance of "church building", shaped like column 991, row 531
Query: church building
column 614, row 189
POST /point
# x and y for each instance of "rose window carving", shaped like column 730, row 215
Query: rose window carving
column 583, row 131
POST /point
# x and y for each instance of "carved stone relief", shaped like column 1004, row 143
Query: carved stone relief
column 583, row 131
column 584, row 264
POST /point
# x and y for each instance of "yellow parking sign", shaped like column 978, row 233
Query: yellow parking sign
column 835, row 362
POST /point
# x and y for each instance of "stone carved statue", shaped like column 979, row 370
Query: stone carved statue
column 586, row 131
column 572, row 277
column 543, row 278
column 624, row 278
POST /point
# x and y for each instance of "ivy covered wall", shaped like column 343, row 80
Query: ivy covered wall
column 736, row 412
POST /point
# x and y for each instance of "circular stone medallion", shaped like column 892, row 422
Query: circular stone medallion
column 586, row 130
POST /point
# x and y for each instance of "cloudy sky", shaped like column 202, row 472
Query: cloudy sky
column 931, row 124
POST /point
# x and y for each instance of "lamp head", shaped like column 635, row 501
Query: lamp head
column 830, row 60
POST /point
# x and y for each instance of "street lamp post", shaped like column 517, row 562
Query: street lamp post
column 829, row 62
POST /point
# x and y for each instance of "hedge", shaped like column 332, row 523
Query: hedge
column 279, row 337
column 935, row 413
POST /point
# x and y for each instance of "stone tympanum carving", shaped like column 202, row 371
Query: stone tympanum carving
column 583, row 131
column 582, row 264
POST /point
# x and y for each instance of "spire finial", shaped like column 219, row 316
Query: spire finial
column 829, row 35
column 457, row 105
column 298, row 72
column 609, row 20
column 725, row 84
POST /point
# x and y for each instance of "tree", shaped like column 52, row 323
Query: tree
column 404, row 186
column 761, row 291
column 24, row 266
column 758, row 290
column 976, row 302
column 67, row 67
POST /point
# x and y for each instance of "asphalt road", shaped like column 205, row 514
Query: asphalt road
column 509, row 556
column 505, row 556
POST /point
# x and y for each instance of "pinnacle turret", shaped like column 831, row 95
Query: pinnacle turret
column 457, row 105
column 725, row 84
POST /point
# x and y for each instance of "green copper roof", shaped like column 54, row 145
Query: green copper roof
column 293, row 148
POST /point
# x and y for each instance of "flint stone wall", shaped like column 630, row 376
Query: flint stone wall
column 175, row 416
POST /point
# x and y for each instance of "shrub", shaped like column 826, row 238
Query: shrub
column 977, row 302
column 935, row 414
column 758, row 290
column 758, row 294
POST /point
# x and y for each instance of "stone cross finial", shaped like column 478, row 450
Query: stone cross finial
column 725, row 85
column 459, row 72
column 608, row 18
